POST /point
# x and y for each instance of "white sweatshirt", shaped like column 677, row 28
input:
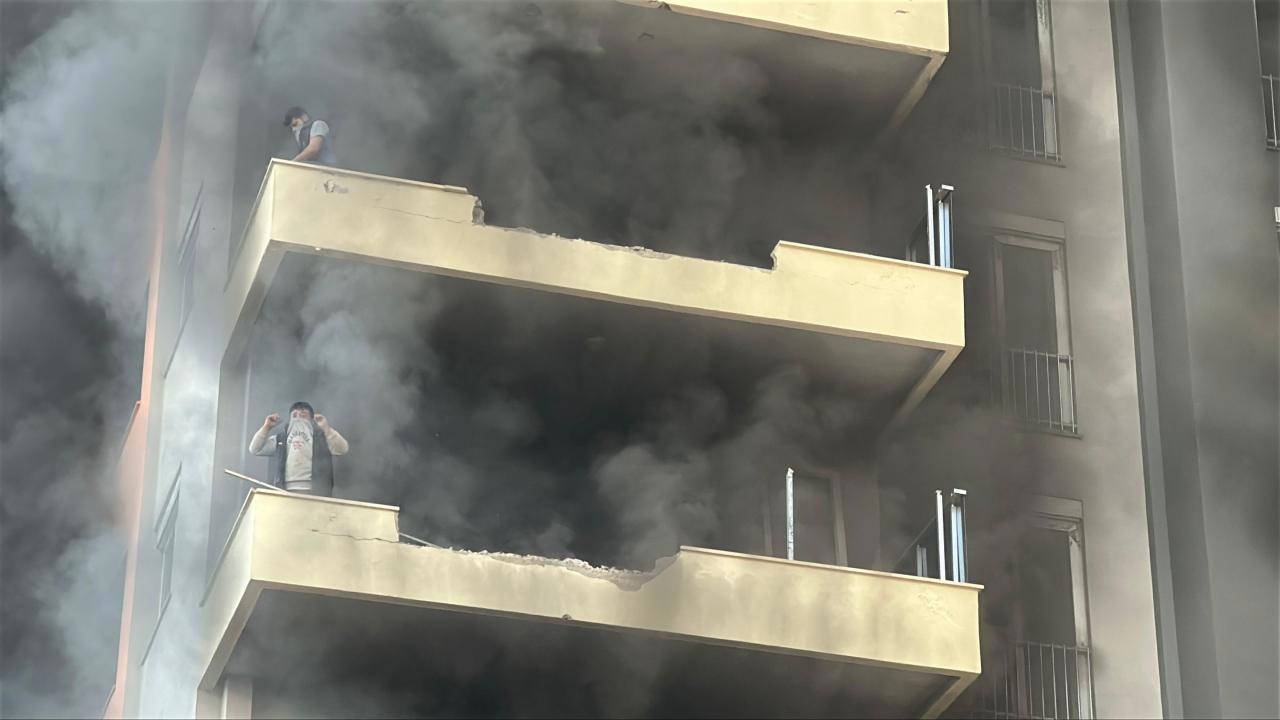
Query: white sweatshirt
column 297, row 467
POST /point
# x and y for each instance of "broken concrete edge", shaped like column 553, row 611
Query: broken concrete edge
column 601, row 572
column 238, row 594
column 782, row 247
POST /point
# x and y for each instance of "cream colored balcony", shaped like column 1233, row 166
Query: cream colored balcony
column 316, row 601
column 871, row 58
column 884, row 330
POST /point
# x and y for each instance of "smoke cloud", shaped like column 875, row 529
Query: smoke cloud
column 497, row 419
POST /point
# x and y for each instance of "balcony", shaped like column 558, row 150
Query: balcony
column 318, row 602
column 879, row 330
column 886, row 329
column 874, row 60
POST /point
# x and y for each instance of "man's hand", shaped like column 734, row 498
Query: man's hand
column 271, row 421
column 322, row 422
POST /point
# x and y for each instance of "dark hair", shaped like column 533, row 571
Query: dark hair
column 294, row 112
column 302, row 405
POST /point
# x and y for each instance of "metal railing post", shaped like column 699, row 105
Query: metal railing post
column 959, row 546
column 942, row 535
column 943, row 205
column 791, row 515
column 932, row 230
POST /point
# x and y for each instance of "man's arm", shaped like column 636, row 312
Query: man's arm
column 311, row 150
column 259, row 445
column 337, row 444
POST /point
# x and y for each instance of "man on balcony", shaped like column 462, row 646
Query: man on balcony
column 315, row 142
column 303, row 457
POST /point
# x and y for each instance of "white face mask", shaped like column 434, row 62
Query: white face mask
column 298, row 422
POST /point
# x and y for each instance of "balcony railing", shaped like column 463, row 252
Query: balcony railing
column 1038, row 388
column 940, row 549
column 1036, row 681
column 1023, row 121
column 1270, row 108
column 930, row 243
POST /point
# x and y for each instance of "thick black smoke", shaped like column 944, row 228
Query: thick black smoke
column 496, row 419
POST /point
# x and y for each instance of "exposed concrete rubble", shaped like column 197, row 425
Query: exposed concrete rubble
column 624, row 579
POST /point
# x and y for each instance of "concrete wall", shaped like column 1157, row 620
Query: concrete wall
column 1203, row 202
column 1081, row 199
column 179, row 433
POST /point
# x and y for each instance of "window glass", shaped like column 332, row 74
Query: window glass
column 1030, row 309
column 1046, row 592
column 1015, row 44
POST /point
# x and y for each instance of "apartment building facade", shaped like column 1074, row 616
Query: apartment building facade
column 1063, row 235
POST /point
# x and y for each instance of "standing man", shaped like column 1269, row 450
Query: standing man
column 303, row 456
column 315, row 142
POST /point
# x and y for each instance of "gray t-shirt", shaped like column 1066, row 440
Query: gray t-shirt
column 319, row 128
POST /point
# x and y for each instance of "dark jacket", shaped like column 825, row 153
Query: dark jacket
column 321, row 462
column 326, row 156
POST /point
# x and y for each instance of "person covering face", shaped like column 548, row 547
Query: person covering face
column 303, row 449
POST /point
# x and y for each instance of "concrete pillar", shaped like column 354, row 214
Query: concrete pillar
column 1201, row 189
column 231, row 699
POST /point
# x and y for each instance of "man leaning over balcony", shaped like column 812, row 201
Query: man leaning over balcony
column 313, row 137
column 303, row 457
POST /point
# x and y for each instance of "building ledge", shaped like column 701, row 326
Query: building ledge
column 904, row 322
column 900, row 43
column 919, row 632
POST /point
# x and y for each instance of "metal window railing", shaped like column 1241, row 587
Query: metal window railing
column 1039, row 388
column 1037, row 681
column 1023, row 121
column 1270, row 109
column 931, row 241
column 940, row 550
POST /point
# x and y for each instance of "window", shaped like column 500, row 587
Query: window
column 1036, row 369
column 1268, row 17
column 187, row 258
column 187, row 250
column 165, row 543
column 1021, row 105
column 1043, row 669
column 819, row 522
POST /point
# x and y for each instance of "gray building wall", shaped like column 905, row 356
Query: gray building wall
column 180, row 438
column 1201, row 196
column 1082, row 200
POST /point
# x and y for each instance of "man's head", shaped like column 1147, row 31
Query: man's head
column 301, row 410
column 296, row 117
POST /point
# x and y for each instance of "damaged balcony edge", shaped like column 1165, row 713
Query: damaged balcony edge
column 932, row 320
column 289, row 520
column 942, row 347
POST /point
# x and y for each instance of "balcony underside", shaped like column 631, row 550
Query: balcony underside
column 881, row 331
column 869, row 62
column 312, row 593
